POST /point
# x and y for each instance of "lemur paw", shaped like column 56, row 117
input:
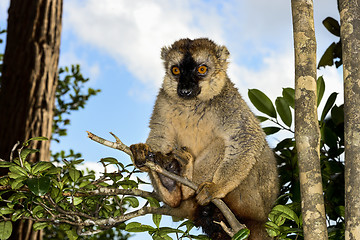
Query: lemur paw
column 205, row 193
column 141, row 153
column 182, row 156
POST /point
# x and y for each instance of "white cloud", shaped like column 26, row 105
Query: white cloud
column 133, row 32
column 258, row 34
column 276, row 72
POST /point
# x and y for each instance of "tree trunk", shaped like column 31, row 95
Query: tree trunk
column 29, row 81
column 350, row 39
column 307, row 132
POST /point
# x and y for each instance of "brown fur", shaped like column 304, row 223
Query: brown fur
column 230, row 156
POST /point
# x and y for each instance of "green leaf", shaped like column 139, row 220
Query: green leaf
column 27, row 166
column 271, row 130
column 340, row 210
column 189, row 225
column 110, row 160
column 327, row 59
column 289, row 95
column 320, row 87
column 41, row 166
column 17, row 215
column 284, row 111
column 262, row 119
column 39, row 186
column 76, row 162
column 6, row 164
column 329, row 103
column 71, row 234
column 18, row 171
column 329, row 136
column 262, row 102
column 40, row 225
column 77, row 200
column 153, row 202
column 156, row 219
column 337, row 114
column 4, row 180
column 5, row 229
column 199, row 237
column 6, row 210
column 332, row 26
column 138, row 227
column 74, row 174
column 168, row 230
column 133, row 201
column 160, row 236
column 272, row 229
column 35, row 139
column 53, row 170
column 18, row 182
column 241, row 235
column 17, row 196
column 38, row 210
column 286, row 212
column 25, row 152
column 284, row 144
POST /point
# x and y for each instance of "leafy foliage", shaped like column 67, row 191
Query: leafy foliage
column 334, row 51
column 75, row 204
column 284, row 220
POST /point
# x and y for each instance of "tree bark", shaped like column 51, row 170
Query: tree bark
column 29, row 81
column 29, row 75
column 307, row 132
column 350, row 39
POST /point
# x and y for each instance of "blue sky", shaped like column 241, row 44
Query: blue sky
column 117, row 44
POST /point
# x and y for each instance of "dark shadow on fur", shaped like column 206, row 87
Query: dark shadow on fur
column 205, row 217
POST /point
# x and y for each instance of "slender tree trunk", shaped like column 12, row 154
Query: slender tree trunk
column 350, row 39
column 307, row 132
column 29, row 81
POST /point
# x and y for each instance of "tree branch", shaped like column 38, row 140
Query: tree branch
column 230, row 217
column 101, row 191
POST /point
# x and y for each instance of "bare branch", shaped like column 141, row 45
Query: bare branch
column 13, row 150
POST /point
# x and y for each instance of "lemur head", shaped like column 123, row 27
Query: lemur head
column 194, row 68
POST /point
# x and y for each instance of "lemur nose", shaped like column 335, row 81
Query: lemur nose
column 185, row 92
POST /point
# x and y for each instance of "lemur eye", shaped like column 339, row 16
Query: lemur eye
column 175, row 70
column 202, row 69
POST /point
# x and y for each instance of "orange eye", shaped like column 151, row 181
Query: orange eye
column 175, row 70
column 202, row 69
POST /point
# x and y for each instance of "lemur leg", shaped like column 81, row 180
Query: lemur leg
column 174, row 162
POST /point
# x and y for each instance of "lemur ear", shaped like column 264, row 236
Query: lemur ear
column 222, row 53
column 164, row 53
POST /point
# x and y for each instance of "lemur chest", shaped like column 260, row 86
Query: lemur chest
column 193, row 129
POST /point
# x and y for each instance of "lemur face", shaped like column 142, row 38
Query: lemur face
column 194, row 69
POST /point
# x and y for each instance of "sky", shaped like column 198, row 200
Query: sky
column 117, row 43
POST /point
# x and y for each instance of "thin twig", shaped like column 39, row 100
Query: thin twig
column 13, row 150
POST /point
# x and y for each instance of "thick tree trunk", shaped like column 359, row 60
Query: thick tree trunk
column 307, row 132
column 350, row 39
column 29, row 75
column 29, row 80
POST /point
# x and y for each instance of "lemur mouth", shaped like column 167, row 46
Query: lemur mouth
column 188, row 93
